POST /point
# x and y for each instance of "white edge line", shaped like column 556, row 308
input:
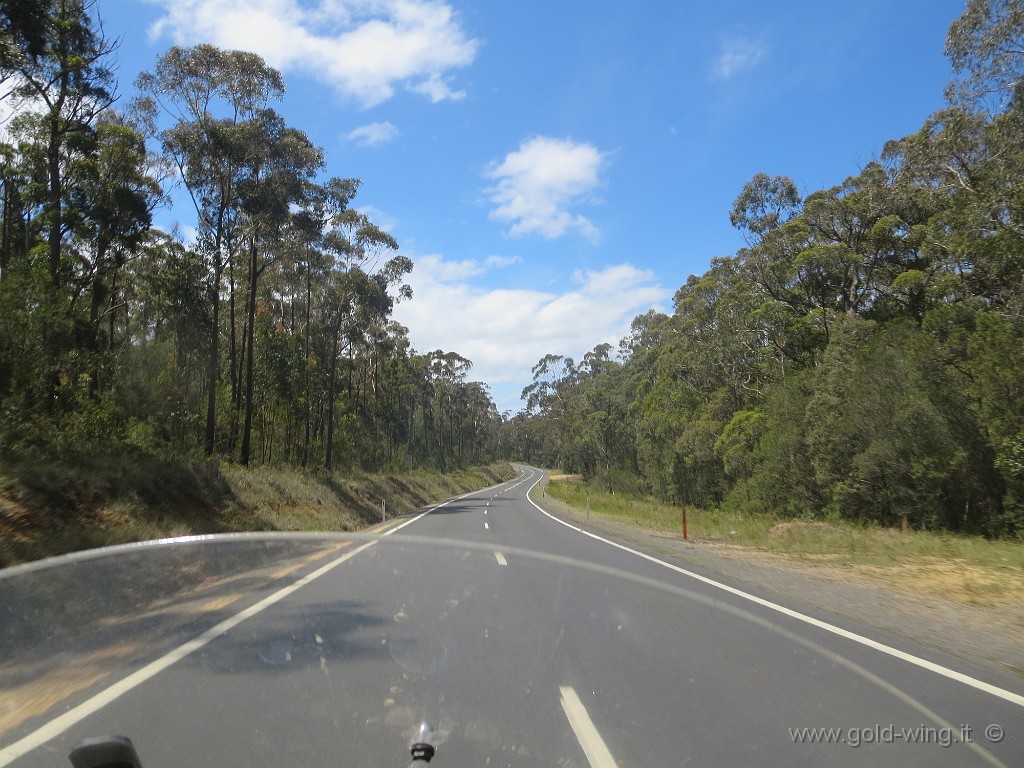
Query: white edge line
column 586, row 733
column 76, row 714
column 59, row 725
column 952, row 674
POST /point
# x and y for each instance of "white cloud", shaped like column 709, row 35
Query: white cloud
column 505, row 331
column 5, row 122
column 380, row 218
column 364, row 48
column 374, row 134
column 12, row 106
column 735, row 55
column 189, row 234
column 538, row 183
column 185, row 233
column 7, row 111
column 436, row 88
column 442, row 271
column 503, row 261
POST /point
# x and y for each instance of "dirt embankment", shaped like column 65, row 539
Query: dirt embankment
column 49, row 508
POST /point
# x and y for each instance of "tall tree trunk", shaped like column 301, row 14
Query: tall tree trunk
column 11, row 210
column 238, row 397
column 99, row 294
column 233, row 345
column 331, row 387
column 53, row 342
column 55, row 192
column 305, row 368
column 212, row 369
column 112, row 313
column 251, row 334
column 237, row 356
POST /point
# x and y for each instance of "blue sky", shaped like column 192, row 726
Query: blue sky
column 556, row 168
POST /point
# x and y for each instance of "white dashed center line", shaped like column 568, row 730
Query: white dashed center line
column 593, row 745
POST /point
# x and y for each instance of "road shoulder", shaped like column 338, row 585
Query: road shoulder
column 975, row 632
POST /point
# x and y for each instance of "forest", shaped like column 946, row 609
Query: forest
column 264, row 338
column 862, row 358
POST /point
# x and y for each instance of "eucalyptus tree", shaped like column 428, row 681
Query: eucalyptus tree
column 448, row 371
column 278, row 162
column 985, row 45
column 861, row 356
column 357, row 296
column 601, row 434
column 210, row 94
column 23, row 38
column 116, row 194
column 61, row 72
column 23, row 28
column 312, row 264
column 57, row 77
column 479, row 424
column 553, row 377
column 764, row 204
column 547, row 400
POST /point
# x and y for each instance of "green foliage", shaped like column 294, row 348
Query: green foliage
column 269, row 340
column 881, row 448
column 737, row 442
column 699, row 474
column 985, row 48
column 862, row 358
column 768, row 454
column 995, row 365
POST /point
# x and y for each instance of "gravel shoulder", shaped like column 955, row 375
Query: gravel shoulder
column 990, row 632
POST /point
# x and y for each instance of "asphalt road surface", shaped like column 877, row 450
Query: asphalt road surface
column 527, row 643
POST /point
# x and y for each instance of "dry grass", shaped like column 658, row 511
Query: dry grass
column 967, row 569
column 50, row 508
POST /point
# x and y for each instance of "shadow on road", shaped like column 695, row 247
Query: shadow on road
column 298, row 637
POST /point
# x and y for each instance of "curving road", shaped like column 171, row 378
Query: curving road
column 526, row 643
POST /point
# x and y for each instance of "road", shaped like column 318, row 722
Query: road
column 529, row 643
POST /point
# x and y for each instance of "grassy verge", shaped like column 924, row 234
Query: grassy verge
column 49, row 507
column 966, row 568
